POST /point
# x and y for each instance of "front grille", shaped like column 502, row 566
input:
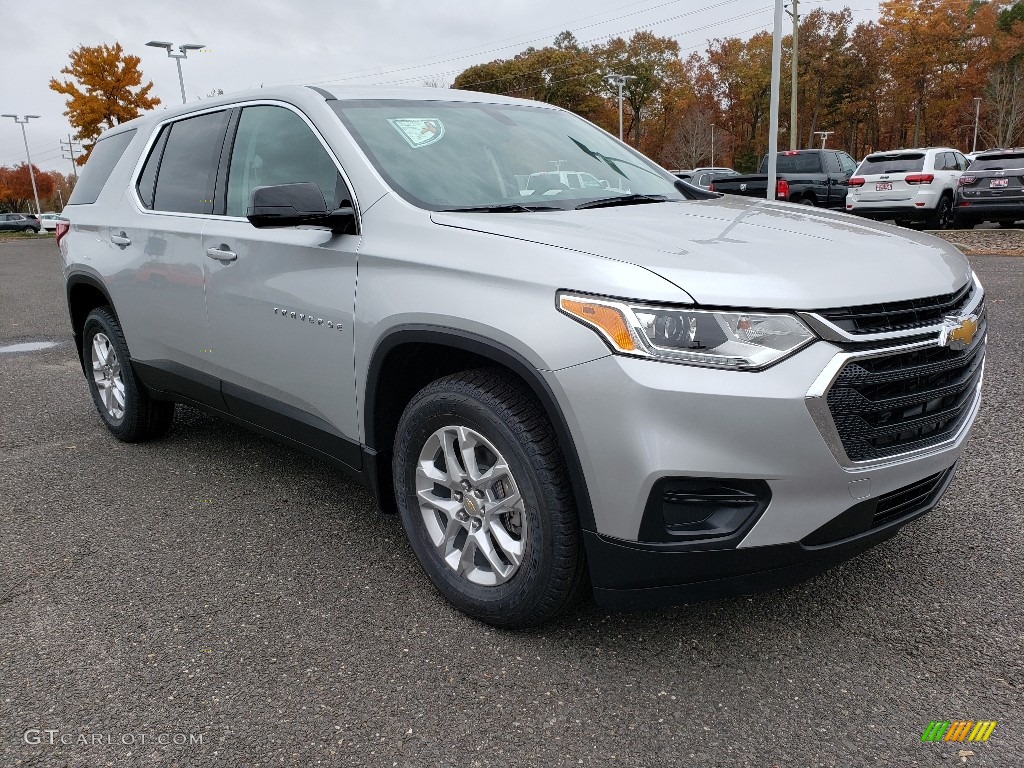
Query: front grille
column 912, row 498
column 905, row 401
column 899, row 315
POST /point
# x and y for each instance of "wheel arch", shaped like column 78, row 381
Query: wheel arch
column 84, row 293
column 389, row 387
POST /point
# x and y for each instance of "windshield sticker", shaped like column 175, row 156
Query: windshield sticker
column 418, row 131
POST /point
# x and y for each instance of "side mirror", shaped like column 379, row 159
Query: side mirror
column 294, row 205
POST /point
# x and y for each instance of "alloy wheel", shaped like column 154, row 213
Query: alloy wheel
column 471, row 506
column 106, row 373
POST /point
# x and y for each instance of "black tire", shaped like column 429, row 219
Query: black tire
column 30, row 229
column 143, row 417
column 942, row 216
column 1006, row 224
column 551, row 575
column 960, row 223
column 808, row 201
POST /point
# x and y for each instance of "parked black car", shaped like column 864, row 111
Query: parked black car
column 807, row 176
column 19, row 222
column 991, row 189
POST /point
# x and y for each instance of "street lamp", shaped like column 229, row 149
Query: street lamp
column 977, row 108
column 22, row 121
column 712, row 145
column 619, row 80
column 184, row 49
column 824, row 135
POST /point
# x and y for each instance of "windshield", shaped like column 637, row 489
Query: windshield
column 458, row 155
column 907, row 163
column 1005, row 161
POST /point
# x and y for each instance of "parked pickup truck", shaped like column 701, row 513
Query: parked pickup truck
column 808, row 176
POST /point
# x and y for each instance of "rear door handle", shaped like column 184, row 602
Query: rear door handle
column 121, row 239
column 221, row 254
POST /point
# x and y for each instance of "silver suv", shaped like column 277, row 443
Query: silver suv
column 675, row 394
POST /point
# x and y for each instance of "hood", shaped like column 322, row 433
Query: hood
column 734, row 251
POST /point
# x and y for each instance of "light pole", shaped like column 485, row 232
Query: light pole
column 619, row 80
column 184, row 49
column 22, row 121
column 793, row 115
column 773, row 106
column 824, row 135
column 712, row 145
column 977, row 109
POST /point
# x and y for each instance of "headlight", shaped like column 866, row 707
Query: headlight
column 723, row 339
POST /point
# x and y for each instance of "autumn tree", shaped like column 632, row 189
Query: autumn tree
column 563, row 74
column 106, row 90
column 16, row 187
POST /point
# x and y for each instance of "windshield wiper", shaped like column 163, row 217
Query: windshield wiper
column 609, row 202
column 503, row 208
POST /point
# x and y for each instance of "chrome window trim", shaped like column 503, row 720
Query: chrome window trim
column 155, row 132
column 831, row 332
column 817, row 403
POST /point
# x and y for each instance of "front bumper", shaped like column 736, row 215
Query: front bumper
column 637, row 422
column 630, row 575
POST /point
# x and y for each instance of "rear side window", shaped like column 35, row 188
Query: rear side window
column 273, row 145
column 909, row 162
column 800, row 162
column 1002, row 162
column 188, row 168
column 102, row 160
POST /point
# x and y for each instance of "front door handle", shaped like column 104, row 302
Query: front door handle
column 121, row 239
column 221, row 254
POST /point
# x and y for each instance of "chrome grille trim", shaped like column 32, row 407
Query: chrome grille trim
column 832, row 332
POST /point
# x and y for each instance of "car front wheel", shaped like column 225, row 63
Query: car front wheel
column 485, row 500
column 122, row 402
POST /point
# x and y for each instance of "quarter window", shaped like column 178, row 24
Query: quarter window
column 147, row 179
column 104, row 156
column 273, row 145
column 188, row 168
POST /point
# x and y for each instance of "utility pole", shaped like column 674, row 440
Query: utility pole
column 794, row 134
column 619, row 80
column 712, row 145
column 22, row 121
column 824, row 135
column 70, row 149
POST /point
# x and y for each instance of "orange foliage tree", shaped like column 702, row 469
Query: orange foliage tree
column 108, row 91
column 16, row 187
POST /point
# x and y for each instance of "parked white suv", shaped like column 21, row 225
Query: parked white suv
column 907, row 185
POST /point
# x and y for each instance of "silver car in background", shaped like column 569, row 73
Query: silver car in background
column 675, row 394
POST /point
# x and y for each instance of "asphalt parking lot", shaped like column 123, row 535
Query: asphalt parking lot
column 219, row 589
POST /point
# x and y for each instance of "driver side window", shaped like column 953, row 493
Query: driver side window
column 273, row 145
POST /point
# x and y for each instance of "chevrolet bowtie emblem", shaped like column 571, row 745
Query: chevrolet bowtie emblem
column 958, row 332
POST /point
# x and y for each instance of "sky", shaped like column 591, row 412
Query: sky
column 250, row 43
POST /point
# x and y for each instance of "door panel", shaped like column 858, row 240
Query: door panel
column 280, row 301
column 281, row 322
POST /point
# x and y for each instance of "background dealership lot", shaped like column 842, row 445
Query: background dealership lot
column 216, row 583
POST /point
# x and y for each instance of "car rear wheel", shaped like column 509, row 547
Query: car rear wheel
column 942, row 216
column 122, row 402
column 808, row 201
column 29, row 229
column 486, row 502
column 1007, row 224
